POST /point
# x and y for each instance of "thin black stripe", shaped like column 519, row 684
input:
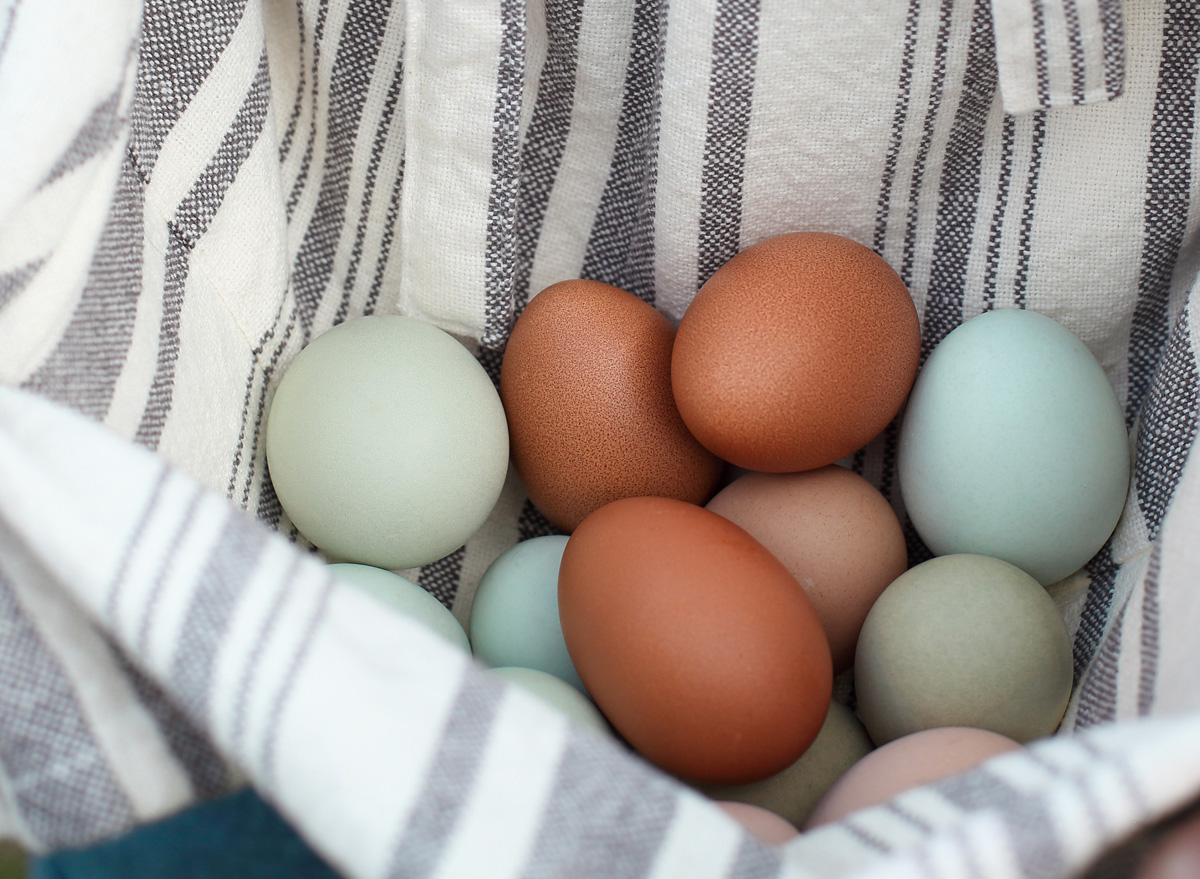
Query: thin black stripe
column 620, row 248
column 289, row 133
column 259, row 423
column 1075, row 41
column 170, row 550
column 899, row 117
column 13, row 282
column 190, row 223
column 354, row 62
column 546, row 138
column 310, row 142
column 730, row 91
column 1041, row 52
column 385, row 244
column 863, row 835
column 132, row 544
column 1148, row 673
column 1111, row 18
column 499, row 253
column 1024, row 246
column 996, row 233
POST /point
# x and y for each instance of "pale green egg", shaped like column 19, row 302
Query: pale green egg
column 1014, row 445
column 386, row 442
column 556, row 693
column 406, row 597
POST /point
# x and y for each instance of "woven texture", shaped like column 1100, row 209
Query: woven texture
column 194, row 189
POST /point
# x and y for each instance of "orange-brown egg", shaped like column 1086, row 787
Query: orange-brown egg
column 795, row 353
column 586, row 387
column 834, row 531
column 696, row 643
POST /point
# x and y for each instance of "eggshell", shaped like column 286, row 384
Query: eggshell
column 764, row 824
column 405, row 596
column 834, row 531
column 1014, row 445
column 1176, row 855
column 556, row 692
column 585, row 382
column 916, row 759
column 695, row 642
column 963, row 640
column 796, row 352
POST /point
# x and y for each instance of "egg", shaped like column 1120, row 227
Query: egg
column 586, row 385
column 795, row 353
column 557, row 693
column 694, row 641
column 762, row 823
column 1014, row 445
column 914, row 760
column 963, row 640
column 834, row 531
column 386, row 442
column 405, row 596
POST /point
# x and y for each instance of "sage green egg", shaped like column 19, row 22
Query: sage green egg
column 558, row 694
column 514, row 615
column 405, row 596
column 386, row 442
column 963, row 640
column 1014, row 445
column 793, row 793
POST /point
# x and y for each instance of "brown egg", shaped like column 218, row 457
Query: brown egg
column 834, row 531
column 795, row 353
column 586, row 386
column 695, row 642
column 911, row 761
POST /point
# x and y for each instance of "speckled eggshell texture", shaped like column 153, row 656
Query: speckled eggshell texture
column 834, row 531
column 586, row 386
column 795, row 353
column 695, row 642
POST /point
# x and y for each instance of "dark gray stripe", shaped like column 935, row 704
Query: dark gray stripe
column 449, row 783
column 1024, row 246
column 178, row 51
column 1102, row 573
column 620, row 248
column 1041, row 53
column 289, row 131
column 754, row 860
column 730, row 92
column 996, row 232
column 597, row 789
column 866, row 837
column 441, row 578
column 1075, row 42
column 1111, row 19
column 98, row 132
column 385, row 243
column 219, row 586
column 171, row 550
column 1098, row 689
column 310, row 142
column 357, row 51
column 1151, row 610
column 13, row 282
column 378, row 148
column 83, row 369
column 908, row 817
column 499, row 250
column 45, row 730
column 899, row 117
column 189, row 224
column 546, row 138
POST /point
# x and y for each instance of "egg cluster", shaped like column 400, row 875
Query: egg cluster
column 721, row 568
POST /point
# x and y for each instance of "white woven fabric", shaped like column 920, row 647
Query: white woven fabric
column 194, row 190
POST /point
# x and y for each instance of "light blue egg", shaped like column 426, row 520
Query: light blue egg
column 405, row 596
column 514, row 617
column 1014, row 446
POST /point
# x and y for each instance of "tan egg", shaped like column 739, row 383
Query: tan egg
column 795, row 353
column 835, row 533
column 916, row 759
column 586, row 387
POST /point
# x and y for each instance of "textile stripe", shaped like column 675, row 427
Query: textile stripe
column 754, row 861
column 899, row 117
column 13, row 282
column 179, row 49
column 84, row 366
column 1075, row 41
column 230, row 564
column 46, row 732
column 97, row 134
column 378, row 148
column 440, row 578
column 1024, row 248
column 620, row 248
column 353, row 64
column 1148, row 674
column 532, row 523
column 996, row 232
column 10, row 25
column 1168, row 191
column 500, row 248
column 293, row 122
column 1103, row 576
column 150, row 605
column 1041, row 53
column 1098, row 690
column 191, row 221
column 389, row 234
column 448, row 784
column 546, row 138
column 310, row 142
column 1114, row 46
column 593, row 790
column 730, row 91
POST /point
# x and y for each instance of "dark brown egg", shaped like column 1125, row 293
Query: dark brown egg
column 586, row 387
column 696, row 643
column 795, row 353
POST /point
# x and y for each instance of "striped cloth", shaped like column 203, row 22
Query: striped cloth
column 194, row 189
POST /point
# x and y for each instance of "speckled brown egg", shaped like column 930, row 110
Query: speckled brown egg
column 795, row 353
column 695, row 642
column 834, row 531
column 586, row 387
